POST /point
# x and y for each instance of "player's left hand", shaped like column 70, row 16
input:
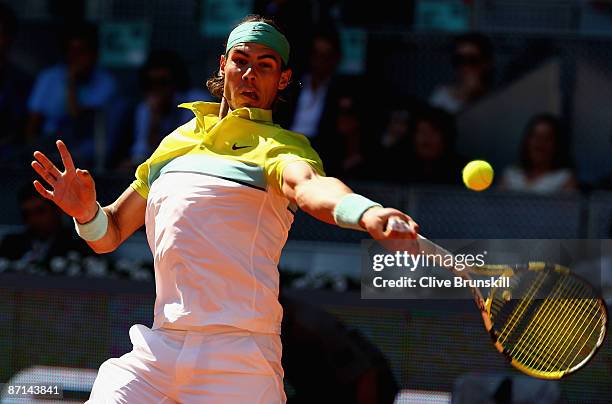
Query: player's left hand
column 383, row 224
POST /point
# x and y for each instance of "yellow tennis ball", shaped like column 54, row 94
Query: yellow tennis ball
column 478, row 175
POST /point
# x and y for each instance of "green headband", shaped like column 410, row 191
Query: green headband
column 261, row 33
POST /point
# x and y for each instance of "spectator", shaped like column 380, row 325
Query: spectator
column 349, row 161
column 66, row 97
column 14, row 88
column 544, row 165
column 44, row 237
column 318, row 96
column 315, row 110
column 165, row 83
column 421, row 150
column 473, row 63
column 397, row 129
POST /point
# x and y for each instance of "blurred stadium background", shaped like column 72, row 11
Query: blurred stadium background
column 62, row 316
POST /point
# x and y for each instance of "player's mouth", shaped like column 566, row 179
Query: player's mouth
column 250, row 94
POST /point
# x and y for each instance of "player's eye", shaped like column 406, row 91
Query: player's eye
column 240, row 61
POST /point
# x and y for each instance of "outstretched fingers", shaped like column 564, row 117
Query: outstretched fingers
column 47, row 164
column 42, row 190
column 44, row 173
column 66, row 157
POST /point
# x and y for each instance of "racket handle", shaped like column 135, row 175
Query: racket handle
column 425, row 244
column 397, row 224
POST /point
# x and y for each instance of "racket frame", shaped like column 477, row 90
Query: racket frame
column 484, row 306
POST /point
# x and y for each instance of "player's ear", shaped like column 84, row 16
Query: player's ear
column 284, row 79
column 222, row 65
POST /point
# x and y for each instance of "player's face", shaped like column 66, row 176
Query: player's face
column 252, row 76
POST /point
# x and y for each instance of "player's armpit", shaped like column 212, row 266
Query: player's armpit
column 125, row 216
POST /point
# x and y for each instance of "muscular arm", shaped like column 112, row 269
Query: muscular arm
column 314, row 194
column 318, row 196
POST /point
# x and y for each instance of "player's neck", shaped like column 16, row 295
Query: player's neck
column 224, row 109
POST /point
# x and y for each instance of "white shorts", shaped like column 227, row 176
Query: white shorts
column 212, row 365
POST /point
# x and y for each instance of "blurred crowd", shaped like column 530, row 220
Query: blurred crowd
column 359, row 138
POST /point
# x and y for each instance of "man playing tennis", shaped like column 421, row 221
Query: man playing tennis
column 217, row 197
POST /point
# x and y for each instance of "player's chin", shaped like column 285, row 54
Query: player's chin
column 244, row 101
column 248, row 105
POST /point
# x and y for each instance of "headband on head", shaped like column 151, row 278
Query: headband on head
column 261, row 33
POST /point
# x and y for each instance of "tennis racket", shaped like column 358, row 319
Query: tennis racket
column 549, row 323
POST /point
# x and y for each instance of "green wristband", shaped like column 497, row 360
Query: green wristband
column 349, row 210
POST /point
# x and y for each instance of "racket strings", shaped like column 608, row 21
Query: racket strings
column 538, row 349
column 559, row 346
column 533, row 331
column 516, row 315
column 545, row 328
column 527, row 349
column 579, row 313
column 558, row 333
column 571, row 340
column 590, row 323
column 600, row 324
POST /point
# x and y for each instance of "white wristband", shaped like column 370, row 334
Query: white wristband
column 95, row 229
column 349, row 210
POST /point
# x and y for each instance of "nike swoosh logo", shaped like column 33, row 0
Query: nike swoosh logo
column 234, row 147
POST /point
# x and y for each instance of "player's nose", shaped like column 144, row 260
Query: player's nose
column 249, row 73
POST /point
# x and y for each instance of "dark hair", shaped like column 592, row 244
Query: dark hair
column 8, row 20
column 441, row 120
column 81, row 30
column 215, row 83
column 561, row 158
column 166, row 59
column 481, row 41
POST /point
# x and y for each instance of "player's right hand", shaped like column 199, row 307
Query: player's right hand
column 377, row 221
column 72, row 190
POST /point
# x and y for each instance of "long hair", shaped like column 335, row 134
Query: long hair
column 216, row 83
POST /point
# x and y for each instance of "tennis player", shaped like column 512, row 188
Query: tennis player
column 218, row 197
